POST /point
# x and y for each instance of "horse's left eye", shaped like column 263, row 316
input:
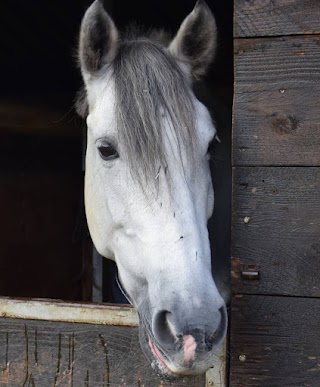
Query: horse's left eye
column 107, row 152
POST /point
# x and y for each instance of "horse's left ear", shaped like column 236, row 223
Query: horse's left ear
column 98, row 39
column 196, row 40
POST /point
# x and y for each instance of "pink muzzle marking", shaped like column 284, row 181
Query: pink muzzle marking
column 189, row 348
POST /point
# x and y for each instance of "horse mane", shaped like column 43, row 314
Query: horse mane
column 150, row 86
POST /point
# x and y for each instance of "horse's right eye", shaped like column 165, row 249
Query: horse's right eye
column 107, row 152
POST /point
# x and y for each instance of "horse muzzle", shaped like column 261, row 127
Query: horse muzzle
column 178, row 348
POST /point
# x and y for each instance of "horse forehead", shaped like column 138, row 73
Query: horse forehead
column 101, row 116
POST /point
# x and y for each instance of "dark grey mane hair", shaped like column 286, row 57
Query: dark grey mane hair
column 149, row 82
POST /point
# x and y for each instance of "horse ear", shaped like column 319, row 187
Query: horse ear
column 196, row 40
column 98, row 39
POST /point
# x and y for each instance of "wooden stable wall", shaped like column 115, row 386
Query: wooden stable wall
column 275, row 317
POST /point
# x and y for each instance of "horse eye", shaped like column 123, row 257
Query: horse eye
column 107, row 152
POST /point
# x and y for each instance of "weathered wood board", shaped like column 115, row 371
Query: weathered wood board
column 58, row 344
column 276, row 101
column 274, row 339
column 275, row 342
column 280, row 17
column 276, row 227
column 39, row 353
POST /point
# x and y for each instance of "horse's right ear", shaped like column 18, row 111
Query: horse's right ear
column 98, row 39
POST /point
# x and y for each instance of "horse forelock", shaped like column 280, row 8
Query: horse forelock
column 150, row 87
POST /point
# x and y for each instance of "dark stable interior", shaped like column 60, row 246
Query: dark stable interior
column 45, row 248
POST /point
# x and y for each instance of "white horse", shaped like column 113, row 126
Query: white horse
column 148, row 189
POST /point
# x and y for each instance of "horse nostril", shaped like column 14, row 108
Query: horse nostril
column 223, row 322
column 161, row 328
column 219, row 333
column 207, row 336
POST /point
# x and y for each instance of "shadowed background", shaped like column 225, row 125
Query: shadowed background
column 44, row 244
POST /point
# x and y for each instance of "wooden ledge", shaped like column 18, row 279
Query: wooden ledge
column 53, row 310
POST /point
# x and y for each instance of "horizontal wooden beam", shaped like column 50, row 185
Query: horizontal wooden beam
column 275, row 341
column 51, row 310
column 281, row 17
column 276, row 101
column 276, row 231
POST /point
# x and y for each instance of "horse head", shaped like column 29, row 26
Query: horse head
column 148, row 188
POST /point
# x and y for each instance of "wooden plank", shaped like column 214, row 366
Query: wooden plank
column 275, row 342
column 42, row 353
column 280, row 17
column 54, row 310
column 276, row 102
column 216, row 376
column 276, row 230
column 52, row 343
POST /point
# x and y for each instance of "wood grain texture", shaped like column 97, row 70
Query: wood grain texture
column 280, row 17
column 276, row 227
column 276, row 101
column 41, row 353
column 61, row 311
column 275, row 342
